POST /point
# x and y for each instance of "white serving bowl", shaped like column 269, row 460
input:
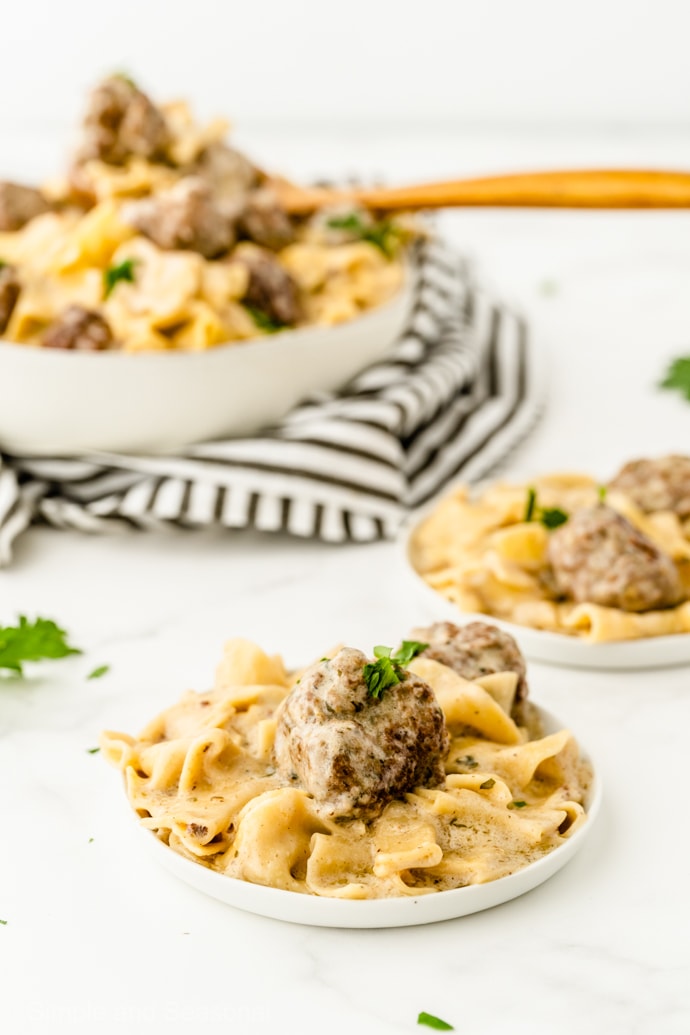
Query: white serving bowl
column 55, row 403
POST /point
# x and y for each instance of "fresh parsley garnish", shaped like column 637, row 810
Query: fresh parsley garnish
column 4, row 923
column 550, row 517
column 468, row 762
column 263, row 321
column 678, row 376
column 517, row 804
column 92, row 751
column 100, row 670
column 387, row 670
column 32, row 641
column 434, row 1022
column 487, row 785
column 90, row 840
column 114, row 274
column 601, row 493
column 385, row 235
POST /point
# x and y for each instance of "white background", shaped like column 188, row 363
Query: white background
column 491, row 63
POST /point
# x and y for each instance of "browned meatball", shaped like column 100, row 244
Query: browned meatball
column 78, row 328
column 662, row 484
column 121, row 121
column 9, row 293
column 19, row 205
column 227, row 173
column 265, row 221
column 271, row 288
column 599, row 557
column 474, row 650
column 351, row 751
column 186, row 216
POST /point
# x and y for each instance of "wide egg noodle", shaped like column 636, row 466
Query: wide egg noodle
column 201, row 777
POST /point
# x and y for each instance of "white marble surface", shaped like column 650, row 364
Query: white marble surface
column 98, row 939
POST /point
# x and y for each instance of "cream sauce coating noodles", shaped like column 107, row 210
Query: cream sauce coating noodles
column 479, row 553
column 202, row 777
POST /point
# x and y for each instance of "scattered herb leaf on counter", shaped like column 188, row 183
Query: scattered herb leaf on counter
column 385, row 235
column 387, row 670
column 263, row 321
column 114, row 274
column 101, row 670
column 550, row 517
column 92, row 751
column 434, row 1022
column 4, row 923
column 678, row 376
column 91, row 840
column 32, row 641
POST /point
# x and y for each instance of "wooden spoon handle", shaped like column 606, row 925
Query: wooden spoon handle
column 581, row 188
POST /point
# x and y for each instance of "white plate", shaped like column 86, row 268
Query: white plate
column 55, row 403
column 390, row 912
column 539, row 645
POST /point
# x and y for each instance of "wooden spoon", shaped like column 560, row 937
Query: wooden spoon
column 578, row 188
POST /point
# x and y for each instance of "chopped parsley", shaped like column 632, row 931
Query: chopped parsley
column 4, row 923
column 550, row 517
column 678, row 376
column 487, row 785
column 601, row 493
column 101, row 670
column 387, row 670
column 517, row 804
column 32, row 641
column 468, row 762
column 434, row 1022
column 90, row 840
column 92, row 751
column 385, row 235
column 114, row 274
column 263, row 321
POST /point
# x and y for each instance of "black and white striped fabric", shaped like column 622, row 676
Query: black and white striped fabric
column 453, row 396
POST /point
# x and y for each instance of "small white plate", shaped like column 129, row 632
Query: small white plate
column 390, row 912
column 539, row 645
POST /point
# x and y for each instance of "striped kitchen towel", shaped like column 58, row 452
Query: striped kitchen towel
column 453, row 396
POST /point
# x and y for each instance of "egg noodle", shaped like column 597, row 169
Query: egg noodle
column 480, row 553
column 202, row 777
column 176, row 298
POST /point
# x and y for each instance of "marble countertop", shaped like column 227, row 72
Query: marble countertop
column 99, row 939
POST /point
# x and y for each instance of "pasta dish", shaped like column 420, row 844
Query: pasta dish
column 409, row 773
column 161, row 236
column 567, row 555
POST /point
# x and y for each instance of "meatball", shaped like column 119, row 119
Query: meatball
column 186, row 216
column 474, row 650
column 351, row 751
column 265, row 221
column 121, row 121
column 227, row 173
column 19, row 205
column 270, row 288
column 598, row 556
column 78, row 328
column 9, row 293
column 662, row 484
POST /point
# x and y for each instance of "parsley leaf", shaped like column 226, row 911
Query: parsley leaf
column 517, row 804
column 601, row 493
column 434, row 1022
column 4, row 923
column 114, row 274
column 387, row 670
column 101, row 670
column 32, row 641
column 487, row 785
column 263, row 321
column 678, row 376
column 92, row 751
column 385, row 234
column 550, row 517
